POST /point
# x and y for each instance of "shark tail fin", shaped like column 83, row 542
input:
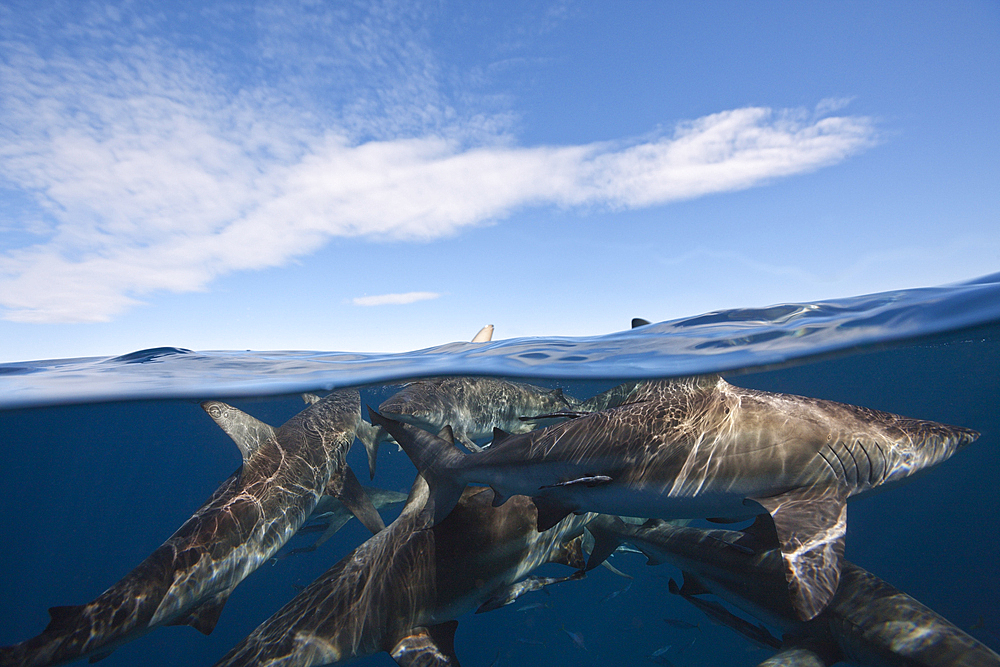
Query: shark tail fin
column 370, row 436
column 606, row 539
column 435, row 458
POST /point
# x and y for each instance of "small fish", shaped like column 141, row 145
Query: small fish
column 979, row 624
column 613, row 594
column 679, row 624
column 530, row 642
column 533, row 605
column 577, row 639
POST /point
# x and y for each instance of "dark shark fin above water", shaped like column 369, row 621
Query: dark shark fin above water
column 349, row 491
column 639, row 322
column 427, row 647
column 810, row 524
column 247, row 432
column 205, row 616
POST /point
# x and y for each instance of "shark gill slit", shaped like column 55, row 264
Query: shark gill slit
column 857, row 470
column 827, row 462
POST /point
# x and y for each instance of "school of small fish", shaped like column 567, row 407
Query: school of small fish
column 561, row 480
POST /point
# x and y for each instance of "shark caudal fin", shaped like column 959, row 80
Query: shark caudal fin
column 435, row 458
column 370, row 436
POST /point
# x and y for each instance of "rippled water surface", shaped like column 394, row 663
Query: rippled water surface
column 95, row 479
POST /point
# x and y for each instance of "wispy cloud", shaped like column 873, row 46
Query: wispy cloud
column 394, row 299
column 151, row 174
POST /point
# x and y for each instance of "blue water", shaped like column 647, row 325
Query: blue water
column 102, row 459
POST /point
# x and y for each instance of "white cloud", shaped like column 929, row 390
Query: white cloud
column 151, row 177
column 394, row 299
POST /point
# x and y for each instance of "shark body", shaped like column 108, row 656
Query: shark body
column 401, row 590
column 868, row 622
column 188, row 579
column 698, row 448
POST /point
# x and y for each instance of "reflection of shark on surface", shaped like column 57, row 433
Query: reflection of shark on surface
column 402, row 589
column 472, row 406
column 188, row 579
column 868, row 622
column 698, row 448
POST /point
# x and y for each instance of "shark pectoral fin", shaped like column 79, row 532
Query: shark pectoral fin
column 356, row 499
column 796, row 656
column 605, row 540
column 427, row 647
column 569, row 553
column 550, row 511
column 204, row 617
column 810, row 524
column 691, row 586
column 247, row 432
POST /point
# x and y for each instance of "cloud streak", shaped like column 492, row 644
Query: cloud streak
column 394, row 299
column 148, row 176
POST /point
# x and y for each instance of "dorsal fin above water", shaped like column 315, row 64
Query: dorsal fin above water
column 249, row 433
column 484, row 335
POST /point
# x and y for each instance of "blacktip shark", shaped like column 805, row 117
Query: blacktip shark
column 700, row 447
column 402, row 590
column 868, row 622
column 472, row 406
column 188, row 579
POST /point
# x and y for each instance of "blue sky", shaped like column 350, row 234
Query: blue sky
column 391, row 176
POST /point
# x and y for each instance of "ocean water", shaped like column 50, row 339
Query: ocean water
column 102, row 459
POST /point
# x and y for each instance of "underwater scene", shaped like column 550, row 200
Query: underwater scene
column 806, row 484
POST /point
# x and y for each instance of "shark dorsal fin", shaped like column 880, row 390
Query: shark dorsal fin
column 247, row 432
column 485, row 335
column 639, row 322
column 62, row 618
column 499, row 435
column 447, row 434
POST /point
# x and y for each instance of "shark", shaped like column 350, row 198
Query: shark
column 700, row 447
column 187, row 580
column 868, row 621
column 402, row 590
column 330, row 515
column 472, row 406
